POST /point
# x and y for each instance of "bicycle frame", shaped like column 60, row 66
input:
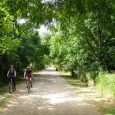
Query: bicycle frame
column 11, row 86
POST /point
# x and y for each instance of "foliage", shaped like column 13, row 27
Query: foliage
column 106, row 84
column 83, row 39
column 20, row 43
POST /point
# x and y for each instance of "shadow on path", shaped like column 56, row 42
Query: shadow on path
column 50, row 95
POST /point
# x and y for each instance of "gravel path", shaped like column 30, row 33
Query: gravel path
column 50, row 95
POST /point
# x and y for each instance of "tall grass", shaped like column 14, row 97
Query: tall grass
column 106, row 84
column 91, row 77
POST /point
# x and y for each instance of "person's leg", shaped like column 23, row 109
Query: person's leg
column 15, row 82
column 27, row 79
column 31, row 81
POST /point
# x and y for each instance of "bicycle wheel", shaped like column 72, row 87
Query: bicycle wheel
column 28, row 86
column 13, row 87
column 10, row 87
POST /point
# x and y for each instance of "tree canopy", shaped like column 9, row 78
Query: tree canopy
column 82, row 37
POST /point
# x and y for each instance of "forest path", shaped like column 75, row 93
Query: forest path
column 51, row 95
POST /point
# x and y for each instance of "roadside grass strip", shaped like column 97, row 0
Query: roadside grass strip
column 4, row 96
column 4, row 100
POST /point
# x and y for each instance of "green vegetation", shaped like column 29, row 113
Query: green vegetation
column 90, row 35
column 4, row 101
column 69, row 79
column 81, row 38
column 20, row 43
column 4, row 90
column 6, row 97
column 108, row 110
column 106, row 84
column 72, row 81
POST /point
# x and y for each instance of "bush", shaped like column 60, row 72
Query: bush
column 91, row 77
column 106, row 84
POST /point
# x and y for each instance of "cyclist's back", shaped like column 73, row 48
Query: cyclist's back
column 12, row 75
column 28, row 75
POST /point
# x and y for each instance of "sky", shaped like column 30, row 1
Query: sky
column 48, row 1
column 22, row 21
column 42, row 30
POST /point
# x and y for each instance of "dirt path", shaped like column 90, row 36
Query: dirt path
column 51, row 95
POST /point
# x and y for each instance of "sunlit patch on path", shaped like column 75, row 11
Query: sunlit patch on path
column 51, row 95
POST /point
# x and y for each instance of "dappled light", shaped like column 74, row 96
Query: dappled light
column 51, row 93
column 48, row 107
column 50, row 71
column 76, row 38
column 62, row 98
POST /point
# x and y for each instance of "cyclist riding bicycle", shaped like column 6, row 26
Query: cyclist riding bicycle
column 28, row 75
column 12, row 75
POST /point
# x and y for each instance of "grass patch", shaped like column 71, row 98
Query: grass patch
column 72, row 81
column 68, row 78
column 3, row 90
column 108, row 110
column 105, row 108
column 6, row 97
column 4, row 101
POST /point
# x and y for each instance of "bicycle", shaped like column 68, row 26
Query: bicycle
column 11, row 86
column 28, row 85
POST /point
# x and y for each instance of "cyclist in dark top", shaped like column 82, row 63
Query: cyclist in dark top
column 12, row 75
column 28, row 75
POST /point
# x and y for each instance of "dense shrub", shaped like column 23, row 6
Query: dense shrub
column 106, row 84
